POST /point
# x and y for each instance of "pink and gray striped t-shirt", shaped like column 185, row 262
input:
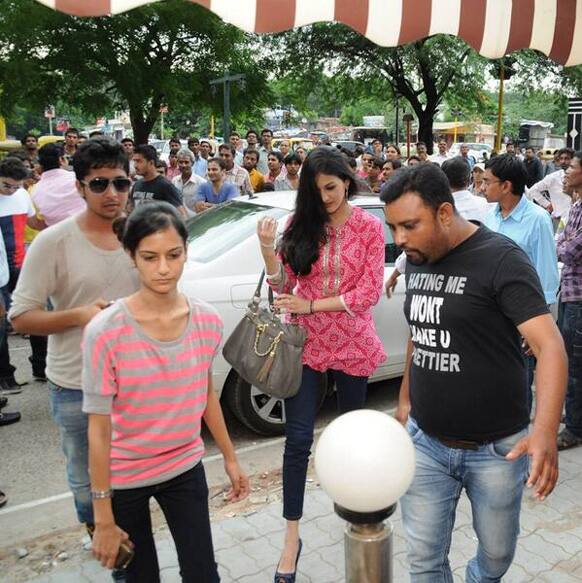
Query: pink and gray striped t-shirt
column 155, row 392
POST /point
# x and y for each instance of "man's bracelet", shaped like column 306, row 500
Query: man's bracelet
column 99, row 494
column 272, row 246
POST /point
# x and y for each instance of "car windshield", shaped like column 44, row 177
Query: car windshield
column 214, row 232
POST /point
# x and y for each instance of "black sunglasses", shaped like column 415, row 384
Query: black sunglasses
column 100, row 185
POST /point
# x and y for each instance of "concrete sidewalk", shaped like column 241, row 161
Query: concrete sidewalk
column 247, row 546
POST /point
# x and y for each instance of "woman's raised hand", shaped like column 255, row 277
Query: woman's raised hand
column 267, row 231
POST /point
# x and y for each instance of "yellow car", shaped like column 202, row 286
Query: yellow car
column 43, row 140
column 7, row 146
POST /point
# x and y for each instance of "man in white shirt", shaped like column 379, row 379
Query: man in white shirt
column 559, row 203
column 187, row 182
column 441, row 155
column 16, row 211
column 470, row 207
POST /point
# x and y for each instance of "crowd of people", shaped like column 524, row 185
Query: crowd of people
column 129, row 356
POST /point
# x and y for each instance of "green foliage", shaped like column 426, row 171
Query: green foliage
column 423, row 72
column 164, row 53
column 23, row 120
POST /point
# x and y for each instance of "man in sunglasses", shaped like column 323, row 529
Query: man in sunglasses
column 80, row 266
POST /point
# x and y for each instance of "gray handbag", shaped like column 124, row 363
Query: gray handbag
column 265, row 351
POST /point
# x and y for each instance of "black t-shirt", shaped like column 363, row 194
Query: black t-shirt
column 159, row 188
column 467, row 375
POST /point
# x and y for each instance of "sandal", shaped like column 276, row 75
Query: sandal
column 567, row 440
column 289, row 577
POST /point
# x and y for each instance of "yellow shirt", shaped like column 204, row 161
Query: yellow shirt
column 257, row 180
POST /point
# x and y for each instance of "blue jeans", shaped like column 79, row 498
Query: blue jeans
column 570, row 321
column 73, row 424
column 300, row 412
column 494, row 487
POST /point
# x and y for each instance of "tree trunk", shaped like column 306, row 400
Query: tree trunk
column 425, row 121
column 141, row 127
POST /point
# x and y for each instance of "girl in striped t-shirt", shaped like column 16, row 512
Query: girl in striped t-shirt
column 147, row 387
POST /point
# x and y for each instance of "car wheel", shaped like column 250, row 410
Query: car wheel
column 256, row 410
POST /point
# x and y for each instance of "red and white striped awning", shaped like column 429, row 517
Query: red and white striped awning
column 492, row 27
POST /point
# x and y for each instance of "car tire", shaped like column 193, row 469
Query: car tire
column 256, row 410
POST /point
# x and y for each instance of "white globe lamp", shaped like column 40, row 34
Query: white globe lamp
column 365, row 462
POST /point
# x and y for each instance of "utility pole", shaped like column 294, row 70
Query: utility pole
column 500, row 105
column 456, row 115
column 407, row 117
column 397, row 122
column 226, row 82
column 163, row 109
column 502, row 70
column 49, row 113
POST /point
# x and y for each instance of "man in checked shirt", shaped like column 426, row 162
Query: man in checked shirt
column 569, row 247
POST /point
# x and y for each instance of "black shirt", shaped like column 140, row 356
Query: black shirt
column 159, row 188
column 534, row 170
column 467, row 374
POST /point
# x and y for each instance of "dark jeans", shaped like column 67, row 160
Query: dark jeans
column 38, row 344
column 184, row 502
column 570, row 322
column 300, row 412
column 530, row 368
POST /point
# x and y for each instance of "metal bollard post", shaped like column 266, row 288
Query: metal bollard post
column 368, row 545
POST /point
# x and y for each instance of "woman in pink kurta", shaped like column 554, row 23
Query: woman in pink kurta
column 328, row 270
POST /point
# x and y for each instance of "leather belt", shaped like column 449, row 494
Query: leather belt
column 461, row 443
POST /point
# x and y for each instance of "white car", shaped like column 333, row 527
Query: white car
column 476, row 149
column 223, row 267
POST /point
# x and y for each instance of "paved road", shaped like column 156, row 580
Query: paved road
column 247, row 546
column 32, row 465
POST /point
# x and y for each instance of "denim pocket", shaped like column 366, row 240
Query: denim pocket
column 413, row 429
column 500, row 448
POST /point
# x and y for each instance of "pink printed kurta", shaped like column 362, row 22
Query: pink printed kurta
column 350, row 265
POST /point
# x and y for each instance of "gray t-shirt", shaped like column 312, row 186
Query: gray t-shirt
column 64, row 266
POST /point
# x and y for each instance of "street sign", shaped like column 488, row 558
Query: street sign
column 62, row 125
column 574, row 131
column 49, row 112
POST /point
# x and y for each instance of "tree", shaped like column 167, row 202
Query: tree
column 160, row 54
column 423, row 72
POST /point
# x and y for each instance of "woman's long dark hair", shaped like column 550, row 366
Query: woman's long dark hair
column 306, row 232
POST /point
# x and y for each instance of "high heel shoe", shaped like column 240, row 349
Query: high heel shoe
column 289, row 577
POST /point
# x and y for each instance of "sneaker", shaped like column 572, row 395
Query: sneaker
column 3, row 402
column 9, row 418
column 39, row 376
column 9, row 386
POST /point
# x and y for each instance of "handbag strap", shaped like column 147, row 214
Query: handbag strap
column 257, row 295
